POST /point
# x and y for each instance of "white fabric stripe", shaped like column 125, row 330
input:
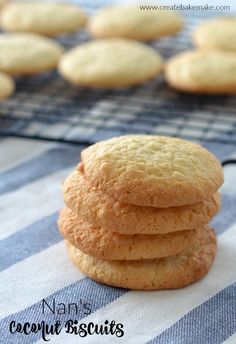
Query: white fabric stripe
column 31, row 203
column 15, row 151
column 230, row 340
column 35, row 278
column 147, row 314
column 229, row 186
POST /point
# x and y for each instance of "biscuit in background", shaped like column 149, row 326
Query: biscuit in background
column 28, row 54
column 110, row 63
column 200, row 71
column 218, row 33
column 130, row 21
column 7, row 85
column 50, row 19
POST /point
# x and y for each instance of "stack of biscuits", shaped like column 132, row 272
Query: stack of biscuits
column 137, row 212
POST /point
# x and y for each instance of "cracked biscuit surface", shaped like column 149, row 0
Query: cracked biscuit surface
column 110, row 63
column 130, row 21
column 164, row 273
column 148, row 170
column 97, row 242
column 99, row 209
column 203, row 71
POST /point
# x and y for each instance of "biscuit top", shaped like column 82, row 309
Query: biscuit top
column 148, row 170
column 43, row 18
column 203, row 69
column 110, row 62
column 7, row 85
column 131, row 22
column 26, row 52
column 219, row 33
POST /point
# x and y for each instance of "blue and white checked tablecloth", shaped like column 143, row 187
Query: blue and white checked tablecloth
column 34, row 263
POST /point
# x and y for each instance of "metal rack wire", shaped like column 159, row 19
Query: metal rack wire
column 47, row 107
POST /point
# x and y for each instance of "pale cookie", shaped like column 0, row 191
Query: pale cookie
column 129, row 21
column 7, row 86
column 164, row 273
column 110, row 63
column 103, row 211
column 26, row 53
column 219, row 33
column 97, row 242
column 48, row 19
column 199, row 71
column 156, row 171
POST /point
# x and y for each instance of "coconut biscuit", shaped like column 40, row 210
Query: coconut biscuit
column 218, row 33
column 200, row 71
column 110, row 63
column 27, row 54
column 97, row 242
column 149, row 170
column 164, row 273
column 104, row 211
column 130, row 21
column 48, row 19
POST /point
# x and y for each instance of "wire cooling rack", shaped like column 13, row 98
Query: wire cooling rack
column 47, row 107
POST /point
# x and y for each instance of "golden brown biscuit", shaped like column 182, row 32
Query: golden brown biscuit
column 218, row 33
column 26, row 53
column 129, row 21
column 97, row 242
column 48, row 19
column 164, row 273
column 103, row 211
column 7, row 85
column 110, row 63
column 199, row 71
column 148, row 170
